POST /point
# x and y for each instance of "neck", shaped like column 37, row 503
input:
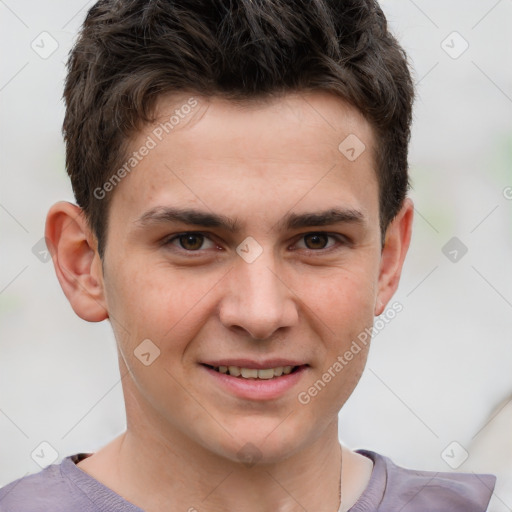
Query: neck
column 181, row 476
column 159, row 467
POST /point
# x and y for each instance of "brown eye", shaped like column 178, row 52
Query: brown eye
column 188, row 242
column 321, row 242
column 316, row 240
column 191, row 241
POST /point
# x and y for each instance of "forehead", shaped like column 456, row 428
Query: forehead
column 257, row 155
column 307, row 123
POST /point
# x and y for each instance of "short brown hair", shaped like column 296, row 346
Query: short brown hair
column 129, row 52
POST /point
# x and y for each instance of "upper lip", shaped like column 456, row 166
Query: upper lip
column 252, row 364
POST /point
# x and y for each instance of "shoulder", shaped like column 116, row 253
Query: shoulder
column 416, row 491
column 47, row 490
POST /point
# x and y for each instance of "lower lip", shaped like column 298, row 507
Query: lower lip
column 257, row 389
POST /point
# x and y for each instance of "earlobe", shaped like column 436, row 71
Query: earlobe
column 76, row 260
column 398, row 237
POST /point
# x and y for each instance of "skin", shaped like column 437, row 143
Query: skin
column 302, row 298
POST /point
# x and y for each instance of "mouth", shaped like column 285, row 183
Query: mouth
column 255, row 381
column 255, row 373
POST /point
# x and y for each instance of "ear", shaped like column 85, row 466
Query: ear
column 75, row 257
column 398, row 237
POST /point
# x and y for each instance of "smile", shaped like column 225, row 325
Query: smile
column 253, row 373
column 270, row 381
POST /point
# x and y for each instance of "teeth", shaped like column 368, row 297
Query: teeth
column 234, row 370
column 253, row 373
column 249, row 373
column 266, row 374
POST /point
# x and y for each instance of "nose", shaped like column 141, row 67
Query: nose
column 258, row 300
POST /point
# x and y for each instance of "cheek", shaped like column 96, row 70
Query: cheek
column 158, row 303
column 344, row 303
column 343, row 300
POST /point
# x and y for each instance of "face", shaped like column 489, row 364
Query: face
column 243, row 241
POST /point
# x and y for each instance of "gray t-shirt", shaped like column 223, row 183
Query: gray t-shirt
column 64, row 487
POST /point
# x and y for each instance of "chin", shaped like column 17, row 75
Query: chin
column 267, row 442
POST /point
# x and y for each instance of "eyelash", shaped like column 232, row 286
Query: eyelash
column 342, row 240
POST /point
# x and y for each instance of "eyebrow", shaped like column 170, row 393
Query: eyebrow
column 194, row 217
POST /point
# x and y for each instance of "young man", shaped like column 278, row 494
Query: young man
column 240, row 170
